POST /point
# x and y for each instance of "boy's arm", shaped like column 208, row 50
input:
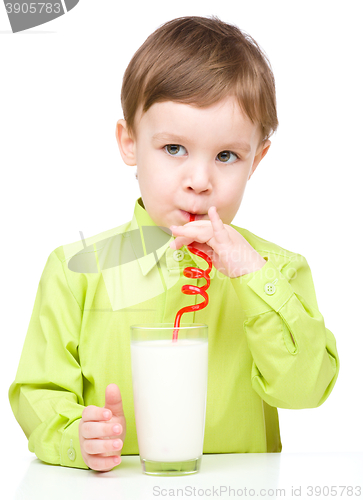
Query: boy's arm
column 295, row 360
column 47, row 394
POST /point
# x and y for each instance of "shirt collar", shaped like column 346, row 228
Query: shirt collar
column 155, row 242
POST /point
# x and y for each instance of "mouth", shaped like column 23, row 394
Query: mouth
column 187, row 215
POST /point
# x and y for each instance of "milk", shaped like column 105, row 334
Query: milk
column 170, row 388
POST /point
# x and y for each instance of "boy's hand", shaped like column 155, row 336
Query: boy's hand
column 230, row 252
column 102, row 437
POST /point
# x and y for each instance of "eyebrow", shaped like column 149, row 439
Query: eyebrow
column 176, row 139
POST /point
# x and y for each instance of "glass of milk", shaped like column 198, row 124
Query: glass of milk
column 169, row 381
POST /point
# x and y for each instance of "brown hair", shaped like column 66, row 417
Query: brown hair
column 199, row 61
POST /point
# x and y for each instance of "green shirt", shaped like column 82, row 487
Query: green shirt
column 268, row 345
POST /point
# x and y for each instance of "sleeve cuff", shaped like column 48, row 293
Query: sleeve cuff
column 263, row 290
column 70, row 450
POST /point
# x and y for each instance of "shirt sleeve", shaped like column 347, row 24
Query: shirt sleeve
column 47, row 394
column 295, row 359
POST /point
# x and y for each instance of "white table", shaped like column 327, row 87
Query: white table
column 221, row 476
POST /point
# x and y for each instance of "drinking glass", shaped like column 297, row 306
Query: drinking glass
column 169, row 379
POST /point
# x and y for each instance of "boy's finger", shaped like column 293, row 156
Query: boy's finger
column 180, row 241
column 113, row 400
column 95, row 414
column 92, row 430
column 198, row 231
column 95, row 446
column 100, row 463
column 220, row 233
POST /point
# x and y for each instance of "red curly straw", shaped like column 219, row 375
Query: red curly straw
column 194, row 272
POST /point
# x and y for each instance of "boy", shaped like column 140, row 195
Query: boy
column 199, row 107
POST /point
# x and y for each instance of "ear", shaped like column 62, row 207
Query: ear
column 264, row 147
column 126, row 143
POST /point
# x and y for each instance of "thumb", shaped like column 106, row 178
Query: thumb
column 113, row 400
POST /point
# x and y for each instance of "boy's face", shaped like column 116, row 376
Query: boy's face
column 189, row 159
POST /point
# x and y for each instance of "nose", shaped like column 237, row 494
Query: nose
column 198, row 177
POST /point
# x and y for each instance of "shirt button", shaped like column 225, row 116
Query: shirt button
column 270, row 288
column 71, row 452
column 178, row 255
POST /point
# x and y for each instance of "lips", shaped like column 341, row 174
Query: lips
column 186, row 215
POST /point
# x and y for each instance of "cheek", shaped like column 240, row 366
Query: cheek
column 232, row 196
column 240, row 183
column 235, row 187
column 157, row 185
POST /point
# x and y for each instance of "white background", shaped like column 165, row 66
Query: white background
column 62, row 173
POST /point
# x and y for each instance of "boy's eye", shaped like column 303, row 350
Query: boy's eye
column 178, row 150
column 174, row 149
column 224, row 156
